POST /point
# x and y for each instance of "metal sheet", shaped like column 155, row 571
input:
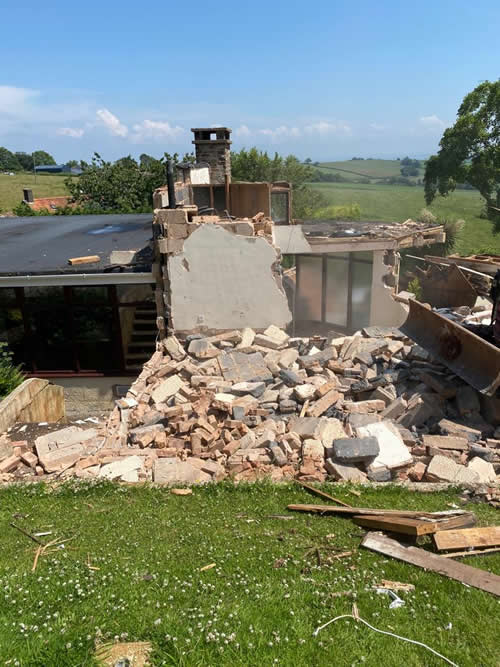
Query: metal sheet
column 473, row 359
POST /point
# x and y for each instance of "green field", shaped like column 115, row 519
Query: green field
column 46, row 185
column 398, row 203
column 353, row 170
column 133, row 569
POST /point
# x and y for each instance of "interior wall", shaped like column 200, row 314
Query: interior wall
column 224, row 281
column 385, row 311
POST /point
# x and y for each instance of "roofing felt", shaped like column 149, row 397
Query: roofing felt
column 44, row 244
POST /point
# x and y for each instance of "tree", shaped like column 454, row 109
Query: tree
column 42, row 157
column 470, row 150
column 25, row 160
column 72, row 163
column 8, row 161
column 255, row 165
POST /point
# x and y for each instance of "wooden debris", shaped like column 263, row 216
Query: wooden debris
column 330, row 509
column 474, row 552
column 322, row 494
column 37, row 556
column 485, row 581
column 469, row 537
column 89, row 259
column 181, row 492
column 207, row 567
column 24, row 532
column 395, row 585
column 409, row 526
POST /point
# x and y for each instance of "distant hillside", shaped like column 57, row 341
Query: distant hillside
column 374, row 170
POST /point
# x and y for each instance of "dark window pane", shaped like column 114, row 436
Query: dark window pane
column 7, row 296
column 41, row 297
column 12, row 332
column 90, row 295
column 96, row 339
column 50, row 343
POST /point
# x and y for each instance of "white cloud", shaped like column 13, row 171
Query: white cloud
column 12, row 99
column 75, row 132
column 280, row 132
column 156, row 129
column 377, row 127
column 325, row 127
column 112, row 123
column 242, row 131
column 432, row 122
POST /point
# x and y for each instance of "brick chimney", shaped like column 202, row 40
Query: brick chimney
column 212, row 146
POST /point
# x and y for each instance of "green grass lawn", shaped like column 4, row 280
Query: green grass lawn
column 11, row 187
column 259, row 605
column 365, row 168
column 398, row 203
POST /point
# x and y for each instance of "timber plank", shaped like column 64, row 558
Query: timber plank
column 472, row 576
column 469, row 537
column 331, row 509
column 415, row 527
column 401, row 524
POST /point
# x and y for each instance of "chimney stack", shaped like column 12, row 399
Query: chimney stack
column 212, row 146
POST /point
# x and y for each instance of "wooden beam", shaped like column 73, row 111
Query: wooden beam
column 472, row 576
column 470, row 537
column 322, row 494
column 477, row 552
column 365, row 511
column 89, row 259
column 415, row 527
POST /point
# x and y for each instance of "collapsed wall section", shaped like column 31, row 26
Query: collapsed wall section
column 216, row 274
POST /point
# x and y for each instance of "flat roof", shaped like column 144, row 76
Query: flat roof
column 370, row 229
column 43, row 244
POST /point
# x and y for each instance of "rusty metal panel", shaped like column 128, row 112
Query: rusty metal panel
column 473, row 359
column 446, row 286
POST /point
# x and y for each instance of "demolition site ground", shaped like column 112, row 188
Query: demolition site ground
column 134, row 568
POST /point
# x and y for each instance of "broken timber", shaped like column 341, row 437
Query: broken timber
column 472, row 576
column 89, row 259
column 470, row 537
column 365, row 511
column 322, row 494
column 415, row 527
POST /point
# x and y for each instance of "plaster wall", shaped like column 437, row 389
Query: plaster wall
column 385, row 311
column 224, row 281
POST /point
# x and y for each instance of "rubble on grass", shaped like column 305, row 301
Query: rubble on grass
column 246, row 405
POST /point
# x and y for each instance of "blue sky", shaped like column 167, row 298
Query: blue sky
column 326, row 79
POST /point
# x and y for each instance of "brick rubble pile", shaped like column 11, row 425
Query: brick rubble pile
column 246, row 405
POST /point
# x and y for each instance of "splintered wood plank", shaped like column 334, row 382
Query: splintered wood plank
column 472, row 576
column 365, row 511
column 478, row 552
column 400, row 524
column 469, row 537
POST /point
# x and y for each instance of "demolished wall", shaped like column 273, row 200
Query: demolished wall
column 219, row 274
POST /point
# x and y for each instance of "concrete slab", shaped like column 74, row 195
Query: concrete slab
column 393, row 452
column 172, row 470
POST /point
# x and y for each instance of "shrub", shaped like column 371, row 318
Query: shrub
column 427, row 217
column 10, row 375
column 346, row 212
column 22, row 210
column 415, row 288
